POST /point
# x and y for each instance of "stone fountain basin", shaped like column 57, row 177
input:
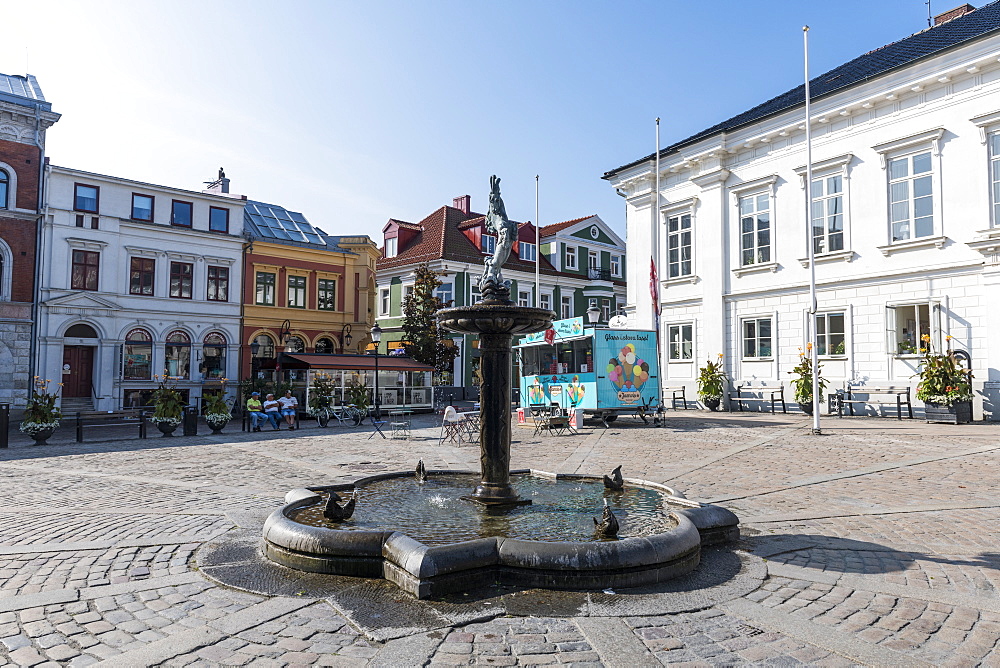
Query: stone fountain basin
column 425, row 571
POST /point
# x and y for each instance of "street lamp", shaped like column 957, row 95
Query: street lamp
column 254, row 360
column 345, row 338
column 594, row 314
column 376, row 338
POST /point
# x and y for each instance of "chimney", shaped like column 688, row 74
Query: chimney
column 953, row 14
column 463, row 204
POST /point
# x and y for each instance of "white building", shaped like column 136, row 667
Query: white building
column 138, row 280
column 906, row 216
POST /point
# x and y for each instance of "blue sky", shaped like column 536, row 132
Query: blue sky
column 355, row 112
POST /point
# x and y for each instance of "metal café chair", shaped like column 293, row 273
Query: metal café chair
column 451, row 426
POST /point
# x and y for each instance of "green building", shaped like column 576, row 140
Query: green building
column 581, row 263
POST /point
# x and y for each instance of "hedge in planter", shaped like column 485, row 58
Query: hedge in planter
column 712, row 383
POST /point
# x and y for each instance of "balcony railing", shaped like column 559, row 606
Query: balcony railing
column 595, row 274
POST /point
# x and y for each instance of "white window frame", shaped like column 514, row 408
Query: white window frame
column 527, row 251
column 679, row 328
column 385, row 297
column 616, row 265
column 545, row 300
column 565, row 306
column 593, row 259
column 11, row 188
column 524, row 297
column 742, row 338
column 764, row 185
column 679, row 216
column 6, row 272
column 892, row 311
column 606, row 309
column 407, row 291
column 989, row 130
column 909, row 146
column 569, row 258
column 445, row 290
column 489, row 243
column 391, row 246
column 825, row 315
column 475, row 294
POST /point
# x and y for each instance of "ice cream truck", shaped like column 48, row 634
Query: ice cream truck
column 605, row 372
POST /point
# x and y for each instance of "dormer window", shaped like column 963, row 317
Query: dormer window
column 391, row 246
column 527, row 251
column 489, row 244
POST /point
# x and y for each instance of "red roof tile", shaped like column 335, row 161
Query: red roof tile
column 548, row 230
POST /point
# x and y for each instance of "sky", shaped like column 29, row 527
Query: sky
column 356, row 112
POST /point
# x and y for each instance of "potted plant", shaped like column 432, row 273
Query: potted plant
column 945, row 387
column 167, row 404
column 217, row 413
column 712, row 383
column 802, row 384
column 41, row 417
column 320, row 397
column 357, row 394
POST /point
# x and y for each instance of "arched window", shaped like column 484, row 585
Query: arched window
column 324, row 345
column 178, row 355
column 4, row 189
column 137, row 355
column 295, row 344
column 215, row 356
column 266, row 344
column 80, row 331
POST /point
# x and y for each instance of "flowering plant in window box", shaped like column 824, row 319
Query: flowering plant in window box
column 41, row 417
column 217, row 413
column 168, row 405
column 712, row 383
column 802, row 384
column 945, row 387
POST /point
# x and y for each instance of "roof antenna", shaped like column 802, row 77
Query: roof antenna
column 928, row 3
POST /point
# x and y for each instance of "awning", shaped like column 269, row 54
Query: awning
column 350, row 362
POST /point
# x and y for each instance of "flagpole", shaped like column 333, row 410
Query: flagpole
column 813, row 348
column 538, row 253
column 655, row 206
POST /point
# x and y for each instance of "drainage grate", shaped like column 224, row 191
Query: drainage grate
column 747, row 630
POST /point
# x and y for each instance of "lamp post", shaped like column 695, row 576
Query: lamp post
column 345, row 338
column 376, row 338
column 254, row 360
column 594, row 315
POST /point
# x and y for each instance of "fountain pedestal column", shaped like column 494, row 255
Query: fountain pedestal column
column 496, row 320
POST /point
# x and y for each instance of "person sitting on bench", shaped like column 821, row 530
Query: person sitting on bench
column 256, row 411
column 289, row 404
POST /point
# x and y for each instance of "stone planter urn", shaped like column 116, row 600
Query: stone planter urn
column 959, row 412
column 806, row 408
column 167, row 428
column 712, row 403
column 216, row 424
column 42, row 436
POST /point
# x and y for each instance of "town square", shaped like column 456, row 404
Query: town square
column 420, row 377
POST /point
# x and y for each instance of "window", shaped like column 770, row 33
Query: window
column 616, row 266
column 181, row 279
column 218, row 219
column 181, row 213
column 218, row 284
column 994, row 175
column 266, row 344
column 911, row 197
column 383, row 308
column 830, row 334
column 214, row 352
column 391, row 246
column 908, row 324
column 828, row 214
column 680, row 342
column 142, row 207
column 296, row 291
column 4, row 189
column 408, row 291
column 606, row 309
column 324, row 346
column 86, row 198
column 265, row 289
column 142, row 274
column 178, row 355
column 295, row 344
column 137, row 355
column 79, row 220
column 94, row 221
column 567, row 307
column 489, row 244
column 545, row 302
column 756, row 338
column 593, row 260
column 475, row 294
column 570, row 258
column 523, row 298
column 86, row 266
column 444, row 293
column 755, row 229
column 326, row 297
column 679, row 246
column 528, row 251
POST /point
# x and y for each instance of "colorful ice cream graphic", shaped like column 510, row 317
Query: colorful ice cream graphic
column 575, row 392
column 628, row 372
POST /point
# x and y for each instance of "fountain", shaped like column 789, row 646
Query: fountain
column 526, row 528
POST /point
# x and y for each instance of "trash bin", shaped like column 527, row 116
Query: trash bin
column 191, row 421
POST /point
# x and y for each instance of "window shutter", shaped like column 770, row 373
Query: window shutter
column 890, row 330
column 934, row 312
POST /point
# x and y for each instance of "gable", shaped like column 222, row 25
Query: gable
column 82, row 300
column 587, row 234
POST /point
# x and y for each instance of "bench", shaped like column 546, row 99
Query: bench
column 848, row 393
column 125, row 418
column 678, row 393
column 774, row 395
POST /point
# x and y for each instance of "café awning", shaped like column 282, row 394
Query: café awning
column 350, row 362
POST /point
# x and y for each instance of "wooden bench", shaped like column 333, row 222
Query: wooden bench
column 678, row 393
column 774, row 395
column 847, row 396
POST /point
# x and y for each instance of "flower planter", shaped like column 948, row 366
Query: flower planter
column 43, row 435
column 959, row 412
column 806, row 408
column 712, row 403
column 167, row 428
column 216, row 425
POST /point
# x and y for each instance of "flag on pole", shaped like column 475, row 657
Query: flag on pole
column 654, row 286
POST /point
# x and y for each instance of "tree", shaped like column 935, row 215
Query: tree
column 425, row 340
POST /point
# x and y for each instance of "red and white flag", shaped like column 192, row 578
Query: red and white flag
column 654, row 287
column 550, row 336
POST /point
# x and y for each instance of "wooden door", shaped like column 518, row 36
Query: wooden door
column 80, row 360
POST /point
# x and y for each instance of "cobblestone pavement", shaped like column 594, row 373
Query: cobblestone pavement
column 880, row 537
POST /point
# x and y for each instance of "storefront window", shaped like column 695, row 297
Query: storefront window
column 178, row 355
column 215, row 356
column 138, row 355
column 324, row 346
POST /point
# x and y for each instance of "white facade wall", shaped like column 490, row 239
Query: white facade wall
column 948, row 105
column 111, row 310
